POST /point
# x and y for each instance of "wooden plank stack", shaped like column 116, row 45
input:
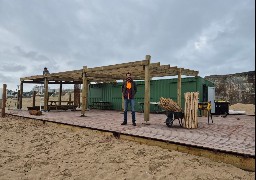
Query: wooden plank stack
column 191, row 107
column 169, row 105
column 35, row 112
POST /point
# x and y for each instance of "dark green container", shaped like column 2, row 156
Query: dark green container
column 166, row 88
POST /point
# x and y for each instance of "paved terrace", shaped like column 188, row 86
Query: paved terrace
column 235, row 133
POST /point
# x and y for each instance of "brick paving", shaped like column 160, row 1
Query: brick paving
column 235, row 133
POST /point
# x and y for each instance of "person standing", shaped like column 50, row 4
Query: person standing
column 45, row 71
column 129, row 90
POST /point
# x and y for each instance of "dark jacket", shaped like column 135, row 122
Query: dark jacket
column 125, row 90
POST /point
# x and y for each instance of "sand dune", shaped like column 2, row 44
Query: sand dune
column 33, row 150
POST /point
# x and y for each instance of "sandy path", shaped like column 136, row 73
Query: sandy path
column 32, row 150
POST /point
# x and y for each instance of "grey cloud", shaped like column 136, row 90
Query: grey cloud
column 12, row 67
column 7, row 78
column 204, row 35
column 32, row 55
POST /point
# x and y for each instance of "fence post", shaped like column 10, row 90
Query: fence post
column 4, row 100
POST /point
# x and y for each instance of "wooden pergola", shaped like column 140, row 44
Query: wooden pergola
column 140, row 70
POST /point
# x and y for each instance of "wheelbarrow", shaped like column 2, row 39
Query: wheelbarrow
column 171, row 116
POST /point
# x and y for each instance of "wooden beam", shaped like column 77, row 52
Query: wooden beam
column 32, row 77
column 21, row 94
column 111, row 73
column 69, row 96
column 4, row 100
column 87, row 94
column 147, row 90
column 66, row 82
column 152, row 65
column 46, row 95
column 60, row 93
column 34, row 99
column 101, row 80
column 54, row 82
column 104, row 75
column 67, row 72
column 18, row 100
column 84, row 91
column 63, row 79
column 118, row 73
column 179, row 88
column 33, row 82
column 117, row 66
column 190, row 73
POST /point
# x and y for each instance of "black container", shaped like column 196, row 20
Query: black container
column 221, row 107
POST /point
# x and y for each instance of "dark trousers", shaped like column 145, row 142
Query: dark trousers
column 132, row 103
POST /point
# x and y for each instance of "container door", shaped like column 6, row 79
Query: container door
column 211, row 97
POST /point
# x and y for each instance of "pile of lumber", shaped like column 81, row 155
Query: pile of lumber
column 169, row 105
column 35, row 112
column 191, row 107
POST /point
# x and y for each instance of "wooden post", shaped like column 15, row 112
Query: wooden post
column 147, row 90
column 192, row 111
column 21, row 94
column 34, row 99
column 179, row 88
column 46, row 95
column 87, row 93
column 77, row 90
column 18, row 99
column 69, row 97
column 60, row 93
column 84, row 91
column 4, row 100
column 185, row 110
column 191, row 107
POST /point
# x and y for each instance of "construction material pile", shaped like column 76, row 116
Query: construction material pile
column 169, row 105
column 191, row 108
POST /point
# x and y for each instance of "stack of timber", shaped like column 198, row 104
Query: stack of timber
column 191, row 107
column 169, row 105
column 35, row 112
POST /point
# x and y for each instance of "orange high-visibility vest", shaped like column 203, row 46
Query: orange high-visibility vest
column 129, row 86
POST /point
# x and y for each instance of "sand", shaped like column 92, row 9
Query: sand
column 248, row 108
column 28, row 102
column 33, row 150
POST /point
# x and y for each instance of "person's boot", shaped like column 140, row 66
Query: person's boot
column 125, row 118
column 133, row 118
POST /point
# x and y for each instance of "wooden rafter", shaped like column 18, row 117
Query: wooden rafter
column 112, row 72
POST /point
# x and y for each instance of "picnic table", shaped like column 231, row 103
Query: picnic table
column 54, row 105
column 101, row 105
column 52, row 102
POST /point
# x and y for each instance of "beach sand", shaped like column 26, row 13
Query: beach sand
column 31, row 149
column 248, row 108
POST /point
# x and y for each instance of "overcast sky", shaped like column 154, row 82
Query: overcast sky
column 211, row 36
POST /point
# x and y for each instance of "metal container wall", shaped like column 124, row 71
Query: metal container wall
column 166, row 88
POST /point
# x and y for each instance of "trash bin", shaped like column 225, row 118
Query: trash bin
column 221, row 107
